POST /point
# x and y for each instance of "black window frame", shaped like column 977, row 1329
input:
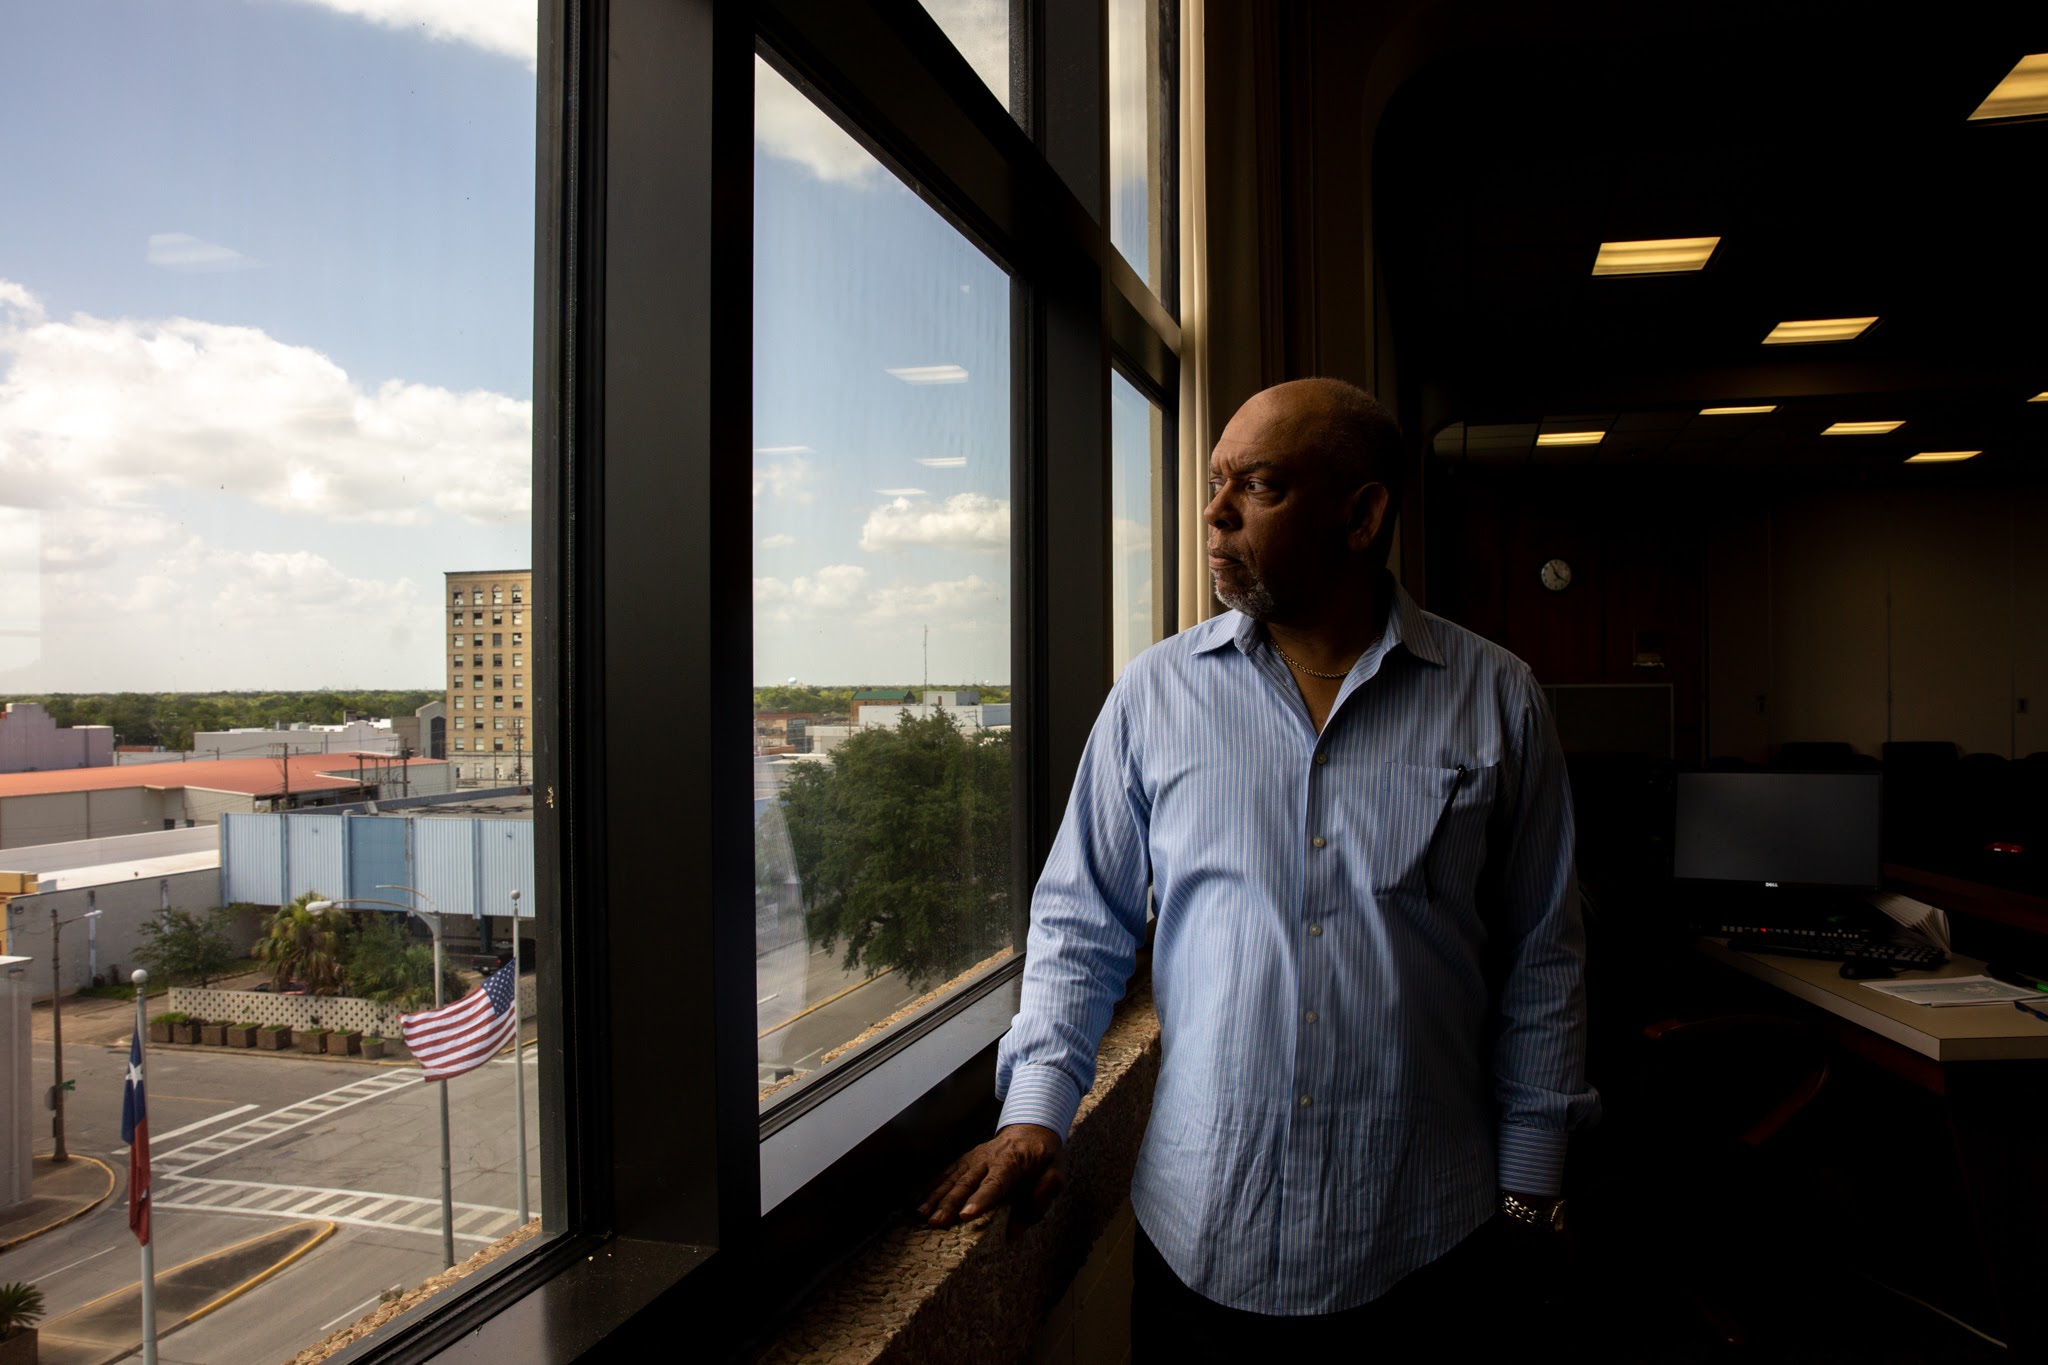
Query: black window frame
column 651, row 1127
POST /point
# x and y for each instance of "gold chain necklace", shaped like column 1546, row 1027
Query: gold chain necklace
column 1300, row 667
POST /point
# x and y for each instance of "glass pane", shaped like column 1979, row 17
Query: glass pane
column 265, row 364
column 1137, row 443
column 1136, row 225
column 980, row 29
column 881, row 597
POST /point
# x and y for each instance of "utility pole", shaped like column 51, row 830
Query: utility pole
column 61, row 1153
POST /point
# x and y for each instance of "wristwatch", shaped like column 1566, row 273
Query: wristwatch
column 1543, row 1214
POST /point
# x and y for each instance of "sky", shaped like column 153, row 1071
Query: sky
column 266, row 354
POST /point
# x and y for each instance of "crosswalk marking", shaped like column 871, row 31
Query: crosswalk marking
column 390, row 1212
column 192, row 1156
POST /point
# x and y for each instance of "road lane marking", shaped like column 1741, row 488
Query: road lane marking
column 278, row 1121
column 354, row 1312
column 51, row 1274
column 395, row 1212
column 203, row 1123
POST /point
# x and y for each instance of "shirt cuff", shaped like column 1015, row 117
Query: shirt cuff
column 1044, row 1095
column 1531, row 1160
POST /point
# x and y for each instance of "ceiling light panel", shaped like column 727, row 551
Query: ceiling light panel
column 1665, row 256
column 1738, row 412
column 1863, row 428
column 1810, row 330
column 2022, row 94
column 1571, row 438
column 2041, row 397
column 1942, row 456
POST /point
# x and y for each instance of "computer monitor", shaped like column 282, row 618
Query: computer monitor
column 1779, row 829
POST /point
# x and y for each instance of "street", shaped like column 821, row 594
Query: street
column 243, row 1143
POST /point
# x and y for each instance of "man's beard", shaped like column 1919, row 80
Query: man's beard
column 1255, row 599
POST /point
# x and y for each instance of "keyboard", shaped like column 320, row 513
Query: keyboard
column 1840, row 946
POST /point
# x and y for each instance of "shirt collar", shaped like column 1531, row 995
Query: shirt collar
column 1407, row 626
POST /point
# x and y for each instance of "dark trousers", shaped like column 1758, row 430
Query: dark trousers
column 1446, row 1310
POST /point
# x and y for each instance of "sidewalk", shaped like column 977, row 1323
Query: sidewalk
column 62, row 1193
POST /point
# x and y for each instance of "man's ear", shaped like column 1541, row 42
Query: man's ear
column 1366, row 514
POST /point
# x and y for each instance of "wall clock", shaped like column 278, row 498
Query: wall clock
column 1556, row 575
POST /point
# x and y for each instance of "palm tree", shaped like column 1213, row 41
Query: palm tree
column 300, row 944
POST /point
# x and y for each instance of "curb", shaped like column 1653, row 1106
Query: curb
column 75, row 1214
column 258, row 1278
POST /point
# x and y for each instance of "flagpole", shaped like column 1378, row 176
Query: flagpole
column 141, row 980
column 518, row 1059
column 447, row 1185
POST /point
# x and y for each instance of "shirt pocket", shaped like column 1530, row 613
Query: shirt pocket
column 1432, row 827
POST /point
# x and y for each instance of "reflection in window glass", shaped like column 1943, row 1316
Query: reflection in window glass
column 881, row 597
column 1137, row 436
column 265, row 363
column 980, row 29
column 1135, row 137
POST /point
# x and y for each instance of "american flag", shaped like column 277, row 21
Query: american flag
column 462, row 1036
column 135, row 1132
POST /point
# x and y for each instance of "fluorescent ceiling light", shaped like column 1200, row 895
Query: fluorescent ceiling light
column 931, row 374
column 1666, row 256
column 2041, row 397
column 1737, row 412
column 1817, row 329
column 1942, row 456
column 945, row 462
column 2022, row 94
column 1571, row 438
column 1862, row 428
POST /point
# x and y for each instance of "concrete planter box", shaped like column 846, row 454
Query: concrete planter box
column 187, row 1032
column 213, row 1035
column 312, row 1040
column 242, row 1035
column 373, row 1048
column 19, row 1349
column 273, row 1039
column 159, row 1033
column 341, row 1044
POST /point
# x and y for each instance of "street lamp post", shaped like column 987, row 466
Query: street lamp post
column 60, row 1153
column 518, row 1059
column 432, row 915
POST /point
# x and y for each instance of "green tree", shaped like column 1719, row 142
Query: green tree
column 386, row 964
column 181, row 948
column 300, row 945
column 902, row 844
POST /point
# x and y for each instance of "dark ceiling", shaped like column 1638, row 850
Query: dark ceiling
column 1833, row 156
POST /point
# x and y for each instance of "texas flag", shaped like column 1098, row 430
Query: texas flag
column 135, row 1132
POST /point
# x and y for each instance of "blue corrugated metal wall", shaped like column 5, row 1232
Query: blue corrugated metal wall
column 464, row 866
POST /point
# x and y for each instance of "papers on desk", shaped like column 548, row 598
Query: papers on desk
column 1917, row 916
column 1953, row 990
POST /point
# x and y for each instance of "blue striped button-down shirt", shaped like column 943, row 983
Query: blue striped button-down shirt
column 1368, row 965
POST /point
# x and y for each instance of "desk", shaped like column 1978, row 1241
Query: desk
column 1989, row 1065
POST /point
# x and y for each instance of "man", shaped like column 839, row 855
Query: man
column 1368, row 963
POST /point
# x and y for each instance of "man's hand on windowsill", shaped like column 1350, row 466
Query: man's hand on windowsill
column 1023, row 1161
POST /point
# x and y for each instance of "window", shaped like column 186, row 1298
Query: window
column 1137, row 454
column 497, row 618
column 882, row 551
column 458, row 596
column 519, row 661
column 476, row 642
column 497, row 680
column 476, row 618
column 460, row 744
column 498, row 744
column 1138, row 123
column 458, row 641
column 497, row 661
column 517, row 637
column 518, row 594
column 476, row 680
column 457, row 682
column 458, row 618
column 497, row 596
column 497, row 703
column 518, row 618
column 518, row 680
column 461, row 724
column 498, row 723
column 476, row 598
column 458, row 703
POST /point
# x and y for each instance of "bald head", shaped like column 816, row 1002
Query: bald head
column 1339, row 430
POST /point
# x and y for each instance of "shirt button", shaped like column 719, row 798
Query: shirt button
column 1306, row 1101
column 1310, row 1016
column 1319, row 841
column 1315, row 931
column 1322, row 758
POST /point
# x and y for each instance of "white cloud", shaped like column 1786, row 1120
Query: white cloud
column 15, row 300
column 845, row 594
column 965, row 521
column 510, row 28
column 183, row 252
column 103, row 410
column 982, row 33
column 777, row 542
column 784, row 480
column 1127, row 537
column 930, row 374
column 788, row 125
